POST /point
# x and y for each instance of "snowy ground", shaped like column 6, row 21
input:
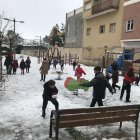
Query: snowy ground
column 21, row 102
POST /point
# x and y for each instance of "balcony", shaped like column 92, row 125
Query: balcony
column 108, row 5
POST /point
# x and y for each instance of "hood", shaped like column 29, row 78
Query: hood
column 99, row 75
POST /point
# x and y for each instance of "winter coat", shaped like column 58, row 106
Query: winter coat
column 44, row 67
column 48, row 91
column 15, row 64
column 128, row 78
column 115, row 76
column 28, row 62
column 78, row 72
column 114, row 66
column 99, row 84
column 22, row 65
column 74, row 64
column 7, row 62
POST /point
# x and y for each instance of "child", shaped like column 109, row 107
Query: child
column 128, row 79
column 14, row 66
column 49, row 94
column 115, row 79
column 137, row 79
column 79, row 71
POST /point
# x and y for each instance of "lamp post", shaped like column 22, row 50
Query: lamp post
column 11, row 36
column 14, row 21
column 1, row 37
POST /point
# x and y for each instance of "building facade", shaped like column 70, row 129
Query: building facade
column 73, row 34
column 102, row 29
column 131, row 24
column 130, row 37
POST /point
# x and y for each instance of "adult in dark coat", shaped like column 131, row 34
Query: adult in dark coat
column 22, row 66
column 49, row 94
column 8, row 64
column 99, row 84
column 28, row 62
column 115, row 79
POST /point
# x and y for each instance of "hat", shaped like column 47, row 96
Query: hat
column 97, row 68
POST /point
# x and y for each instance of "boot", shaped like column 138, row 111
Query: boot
column 43, row 113
column 44, row 78
column 41, row 77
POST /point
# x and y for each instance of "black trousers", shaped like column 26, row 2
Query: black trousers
column 45, row 103
column 43, row 77
column 94, row 100
column 126, row 87
column 14, row 70
column 114, row 84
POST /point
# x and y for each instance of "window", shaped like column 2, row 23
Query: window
column 129, row 25
column 102, row 29
column 87, row 5
column 112, row 27
column 88, row 31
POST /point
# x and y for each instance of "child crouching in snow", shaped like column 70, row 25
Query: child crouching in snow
column 49, row 94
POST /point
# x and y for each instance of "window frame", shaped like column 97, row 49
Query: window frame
column 88, row 31
column 101, row 30
column 112, row 27
column 129, row 23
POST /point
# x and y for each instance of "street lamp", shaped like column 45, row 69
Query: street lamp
column 14, row 21
column 11, row 37
column 1, row 37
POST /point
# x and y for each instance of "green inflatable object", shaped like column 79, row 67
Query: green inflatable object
column 83, row 81
column 74, row 84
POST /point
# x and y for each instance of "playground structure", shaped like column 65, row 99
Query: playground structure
column 123, row 59
column 55, row 53
column 70, row 58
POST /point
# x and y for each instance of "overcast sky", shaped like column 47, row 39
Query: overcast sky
column 39, row 15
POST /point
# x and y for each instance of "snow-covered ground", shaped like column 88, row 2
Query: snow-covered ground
column 21, row 102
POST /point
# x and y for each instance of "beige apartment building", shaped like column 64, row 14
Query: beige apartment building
column 102, row 29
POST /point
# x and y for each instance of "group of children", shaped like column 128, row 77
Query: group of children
column 50, row 89
column 12, row 65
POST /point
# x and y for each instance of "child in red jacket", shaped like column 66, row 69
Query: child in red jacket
column 128, row 79
column 79, row 71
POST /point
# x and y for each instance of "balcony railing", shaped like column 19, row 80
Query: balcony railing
column 106, row 5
